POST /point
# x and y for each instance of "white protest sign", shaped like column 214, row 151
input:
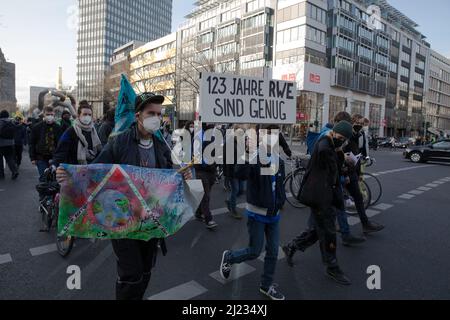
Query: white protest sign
column 238, row 99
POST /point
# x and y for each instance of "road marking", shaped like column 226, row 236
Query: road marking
column 407, row 196
column 5, row 258
column 424, row 189
column 185, row 291
column 281, row 255
column 238, row 271
column 439, row 182
column 1, row 190
column 372, row 213
column 403, row 169
column 353, row 221
column 220, row 211
column 432, row 185
column 416, row 192
column 43, row 250
column 383, row 206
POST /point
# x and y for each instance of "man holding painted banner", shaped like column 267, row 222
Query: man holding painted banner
column 137, row 146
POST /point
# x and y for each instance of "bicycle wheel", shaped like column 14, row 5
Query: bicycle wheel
column 292, row 184
column 46, row 218
column 350, row 207
column 376, row 190
column 64, row 245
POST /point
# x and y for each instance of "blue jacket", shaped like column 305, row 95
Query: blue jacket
column 259, row 187
column 313, row 137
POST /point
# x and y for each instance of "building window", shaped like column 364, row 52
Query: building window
column 316, row 13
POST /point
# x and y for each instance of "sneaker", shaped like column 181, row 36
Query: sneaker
column 225, row 267
column 236, row 214
column 289, row 253
column 212, row 225
column 272, row 293
column 349, row 240
column 372, row 227
column 337, row 275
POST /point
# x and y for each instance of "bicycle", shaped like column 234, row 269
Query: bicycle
column 370, row 188
column 293, row 181
column 49, row 208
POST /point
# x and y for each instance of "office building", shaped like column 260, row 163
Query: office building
column 7, row 85
column 233, row 36
column 105, row 25
column 437, row 115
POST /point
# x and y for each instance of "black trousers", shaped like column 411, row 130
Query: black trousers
column 323, row 230
column 18, row 154
column 208, row 179
column 355, row 192
column 8, row 154
column 135, row 261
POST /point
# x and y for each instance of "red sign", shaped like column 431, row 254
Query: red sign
column 301, row 116
column 314, row 78
column 289, row 77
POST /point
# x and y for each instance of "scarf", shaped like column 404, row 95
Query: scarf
column 83, row 153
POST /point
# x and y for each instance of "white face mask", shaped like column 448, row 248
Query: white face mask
column 86, row 120
column 152, row 124
column 50, row 119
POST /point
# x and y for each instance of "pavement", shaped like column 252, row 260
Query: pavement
column 412, row 252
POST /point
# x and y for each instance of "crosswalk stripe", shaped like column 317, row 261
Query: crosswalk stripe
column 43, row 249
column 407, row 196
column 383, row 206
column 185, row 291
column 5, row 258
column 432, row 185
column 372, row 213
column 424, row 189
column 281, row 255
column 238, row 271
column 416, row 192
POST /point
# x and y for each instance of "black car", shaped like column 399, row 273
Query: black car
column 438, row 151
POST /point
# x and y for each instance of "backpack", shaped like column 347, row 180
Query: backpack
column 7, row 130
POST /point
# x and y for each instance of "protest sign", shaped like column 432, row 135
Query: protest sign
column 105, row 201
column 238, row 99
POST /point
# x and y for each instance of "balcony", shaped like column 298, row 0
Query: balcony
column 230, row 38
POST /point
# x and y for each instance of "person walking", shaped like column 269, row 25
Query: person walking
column 7, row 134
column 265, row 198
column 137, row 146
column 321, row 191
column 66, row 121
column 80, row 143
column 20, row 139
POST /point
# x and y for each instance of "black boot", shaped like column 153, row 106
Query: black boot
column 289, row 251
column 371, row 227
column 337, row 275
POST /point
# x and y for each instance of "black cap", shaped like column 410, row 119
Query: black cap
column 146, row 98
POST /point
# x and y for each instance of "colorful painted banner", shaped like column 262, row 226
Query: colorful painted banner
column 122, row 202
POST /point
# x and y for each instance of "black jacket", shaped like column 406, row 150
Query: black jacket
column 124, row 149
column 20, row 136
column 259, row 187
column 105, row 131
column 67, row 149
column 38, row 148
column 322, row 177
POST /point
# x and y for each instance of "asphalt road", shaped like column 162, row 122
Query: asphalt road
column 412, row 252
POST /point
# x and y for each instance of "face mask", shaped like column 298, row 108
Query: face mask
column 366, row 129
column 357, row 128
column 338, row 143
column 86, row 120
column 152, row 124
column 50, row 119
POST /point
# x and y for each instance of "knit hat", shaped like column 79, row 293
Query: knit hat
column 4, row 114
column 344, row 128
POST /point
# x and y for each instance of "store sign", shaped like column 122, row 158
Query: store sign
column 314, row 78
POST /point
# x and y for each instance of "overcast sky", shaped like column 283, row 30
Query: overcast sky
column 42, row 37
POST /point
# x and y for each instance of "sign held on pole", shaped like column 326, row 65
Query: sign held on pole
column 238, row 99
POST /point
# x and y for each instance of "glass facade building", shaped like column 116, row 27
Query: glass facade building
column 105, row 25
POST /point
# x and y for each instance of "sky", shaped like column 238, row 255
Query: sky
column 42, row 37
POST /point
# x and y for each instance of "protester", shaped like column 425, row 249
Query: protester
column 167, row 134
column 80, row 144
column 7, row 135
column 43, row 141
column 137, row 146
column 265, row 198
column 237, row 185
column 207, row 173
column 107, row 126
column 355, row 175
column 66, row 121
column 20, row 139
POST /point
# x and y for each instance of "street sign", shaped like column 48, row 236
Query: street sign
column 238, row 99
